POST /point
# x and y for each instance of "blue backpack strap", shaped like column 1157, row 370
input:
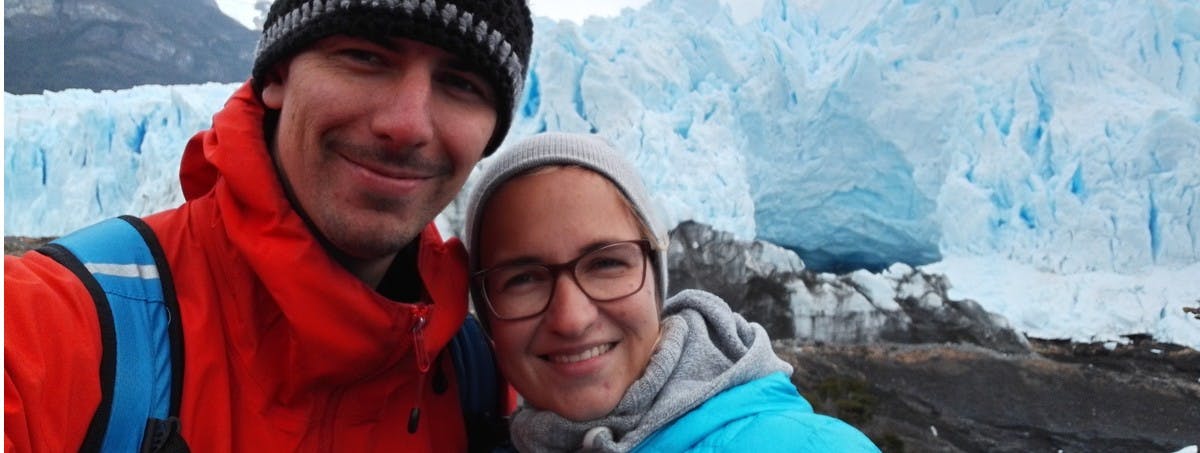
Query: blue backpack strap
column 478, row 387
column 122, row 265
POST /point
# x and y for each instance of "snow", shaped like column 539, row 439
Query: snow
column 1086, row 306
column 1044, row 155
column 243, row 11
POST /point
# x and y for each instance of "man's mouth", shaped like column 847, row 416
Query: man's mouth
column 388, row 171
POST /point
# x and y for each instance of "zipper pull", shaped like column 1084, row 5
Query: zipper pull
column 414, row 418
column 418, row 333
column 421, row 315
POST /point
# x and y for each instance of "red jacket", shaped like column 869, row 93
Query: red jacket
column 285, row 349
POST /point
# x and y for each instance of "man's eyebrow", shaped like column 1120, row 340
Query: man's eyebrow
column 452, row 60
column 457, row 63
column 383, row 41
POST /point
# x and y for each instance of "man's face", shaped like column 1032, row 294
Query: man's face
column 375, row 138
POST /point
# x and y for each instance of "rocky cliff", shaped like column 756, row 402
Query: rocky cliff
column 769, row 284
column 114, row 44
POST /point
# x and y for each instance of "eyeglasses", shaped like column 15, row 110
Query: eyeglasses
column 520, row 291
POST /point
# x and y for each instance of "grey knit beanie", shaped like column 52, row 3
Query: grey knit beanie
column 496, row 35
column 588, row 151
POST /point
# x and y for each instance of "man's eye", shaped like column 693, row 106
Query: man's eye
column 467, row 83
column 362, row 56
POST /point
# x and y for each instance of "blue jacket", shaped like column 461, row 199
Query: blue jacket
column 760, row 416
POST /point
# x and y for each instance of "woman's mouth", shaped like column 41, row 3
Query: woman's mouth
column 579, row 357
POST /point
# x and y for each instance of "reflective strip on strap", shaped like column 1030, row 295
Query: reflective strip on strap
column 144, row 272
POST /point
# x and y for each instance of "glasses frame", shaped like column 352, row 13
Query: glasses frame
column 556, row 269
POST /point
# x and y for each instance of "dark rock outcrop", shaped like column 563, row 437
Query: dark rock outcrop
column 115, row 44
column 768, row 284
column 954, row 398
column 18, row 245
column 752, row 276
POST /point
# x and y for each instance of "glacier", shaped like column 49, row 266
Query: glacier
column 1043, row 154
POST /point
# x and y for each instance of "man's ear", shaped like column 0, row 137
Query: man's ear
column 272, row 92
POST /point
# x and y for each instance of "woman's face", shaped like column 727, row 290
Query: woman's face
column 579, row 356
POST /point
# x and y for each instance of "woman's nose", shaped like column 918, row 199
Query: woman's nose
column 571, row 311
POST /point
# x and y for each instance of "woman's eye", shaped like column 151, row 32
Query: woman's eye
column 607, row 264
column 522, row 281
column 517, row 280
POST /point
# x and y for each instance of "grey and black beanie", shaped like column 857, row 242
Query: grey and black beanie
column 557, row 148
column 494, row 34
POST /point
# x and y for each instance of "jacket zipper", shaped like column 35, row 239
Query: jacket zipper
column 421, row 314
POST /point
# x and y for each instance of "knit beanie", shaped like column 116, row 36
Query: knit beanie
column 496, row 35
column 588, row 151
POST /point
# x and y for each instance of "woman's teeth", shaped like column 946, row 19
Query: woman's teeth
column 572, row 358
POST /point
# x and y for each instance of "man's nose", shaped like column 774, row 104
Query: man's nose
column 571, row 311
column 404, row 114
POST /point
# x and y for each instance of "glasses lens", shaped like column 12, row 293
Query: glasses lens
column 612, row 272
column 518, row 290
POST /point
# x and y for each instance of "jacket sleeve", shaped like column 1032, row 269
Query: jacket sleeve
column 51, row 356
